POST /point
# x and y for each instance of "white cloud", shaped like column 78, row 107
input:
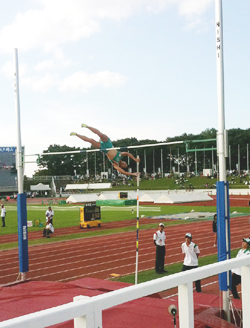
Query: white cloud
column 80, row 81
column 58, row 22
column 58, row 61
column 8, row 69
column 41, row 84
column 45, row 65
column 61, row 21
column 83, row 81
column 191, row 8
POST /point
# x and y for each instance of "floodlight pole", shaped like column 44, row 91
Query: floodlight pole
column 221, row 137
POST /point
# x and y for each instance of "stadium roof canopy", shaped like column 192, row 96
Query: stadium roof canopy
column 88, row 186
column 40, row 187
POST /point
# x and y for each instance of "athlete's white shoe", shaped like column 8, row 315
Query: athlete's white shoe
column 84, row 125
column 73, row 133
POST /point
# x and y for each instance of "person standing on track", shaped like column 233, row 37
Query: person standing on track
column 114, row 156
column 191, row 251
column 236, row 273
column 159, row 241
column 49, row 223
column 215, row 229
column 3, row 215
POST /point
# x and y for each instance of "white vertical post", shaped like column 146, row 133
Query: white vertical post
column 137, row 225
column 247, row 157
column 19, row 144
column 186, row 305
column 245, row 289
column 170, row 161
column 239, row 159
column 91, row 320
column 80, row 322
column 95, row 165
column 229, row 150
column 161, row 163
column 220, row 89
column 204, row 159
column 221, row 121
column 21, row 197
column 179, row 161
column 153, row 161
column 196, row 171
column 103, row 159
column 145, row 162
column 212, row 161
column 87, row 165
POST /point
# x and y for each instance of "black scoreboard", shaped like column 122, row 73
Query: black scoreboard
column 92, row 212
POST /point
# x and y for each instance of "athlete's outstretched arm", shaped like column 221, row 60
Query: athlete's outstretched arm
column 131, row 156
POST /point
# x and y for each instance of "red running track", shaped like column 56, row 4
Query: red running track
column 99, row 256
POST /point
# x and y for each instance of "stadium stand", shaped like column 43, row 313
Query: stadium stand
column 8, row 173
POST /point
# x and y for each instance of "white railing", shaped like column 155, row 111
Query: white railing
column 87, row 311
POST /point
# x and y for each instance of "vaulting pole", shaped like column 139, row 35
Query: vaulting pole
column 137, row 225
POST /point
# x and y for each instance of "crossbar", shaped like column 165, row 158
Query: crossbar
column 94, row 150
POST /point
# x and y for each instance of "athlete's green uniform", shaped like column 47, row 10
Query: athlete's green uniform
column 108, row 144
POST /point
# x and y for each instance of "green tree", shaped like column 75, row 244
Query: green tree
column 65, row 164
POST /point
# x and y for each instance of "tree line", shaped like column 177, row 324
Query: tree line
column 169, row 158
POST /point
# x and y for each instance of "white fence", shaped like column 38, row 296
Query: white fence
column 87, row 311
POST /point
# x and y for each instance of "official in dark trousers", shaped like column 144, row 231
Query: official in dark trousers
column 191, row 251
column 3, row 215
column 159, row 241
column 236, row 273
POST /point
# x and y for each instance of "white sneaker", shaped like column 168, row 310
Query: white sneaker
column 73, row 133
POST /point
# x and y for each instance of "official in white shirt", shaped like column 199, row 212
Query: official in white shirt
column 159, row 241
column 191, row 251
column 236, row 273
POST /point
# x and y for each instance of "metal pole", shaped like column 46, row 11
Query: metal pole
column 87, row 165
column 212, row 161
column 161, row 164
column 153, row 161
column 229, row 151
column 103, row 159
column 145, row 163
column 204, row 159
column 21, row 197
column 137, row 226
column 178, row 161
column 196, row 162
column 170, row 162
column 247, row 158
column 19, row 145
column 221, row 127
column 95, row 165
column 239, row 159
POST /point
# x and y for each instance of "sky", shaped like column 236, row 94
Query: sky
column 136, row 68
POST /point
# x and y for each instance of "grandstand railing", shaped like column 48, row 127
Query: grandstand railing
column 87, row 311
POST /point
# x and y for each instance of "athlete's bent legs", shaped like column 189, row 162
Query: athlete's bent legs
column 101, row 135
column 94, row 143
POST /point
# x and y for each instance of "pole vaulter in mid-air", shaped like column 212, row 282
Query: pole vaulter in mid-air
column 105, row 145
